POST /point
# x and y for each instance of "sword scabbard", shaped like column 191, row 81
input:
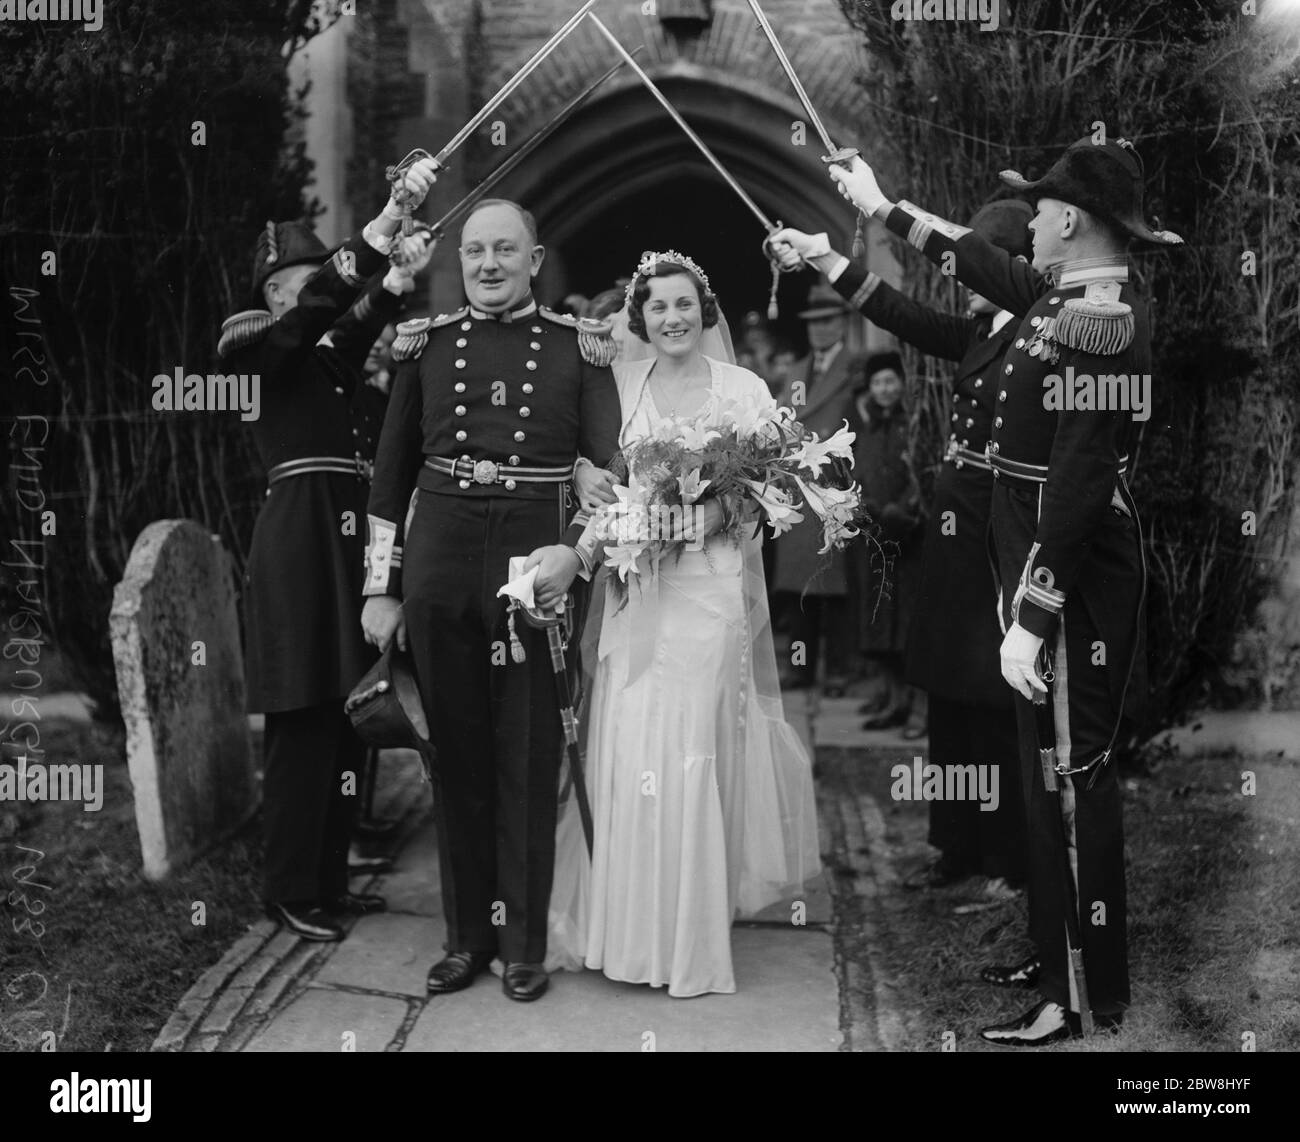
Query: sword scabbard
column 1081, row 989
column 1047, row 759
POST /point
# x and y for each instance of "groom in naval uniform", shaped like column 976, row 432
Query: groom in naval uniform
column 490, row 408
column 1067, row 542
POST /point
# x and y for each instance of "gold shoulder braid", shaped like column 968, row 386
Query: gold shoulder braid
column 243, row 329
column 1098, row 322
column 595, row 339
column 412, row 337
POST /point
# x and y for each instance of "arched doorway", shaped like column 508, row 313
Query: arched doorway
column 620, row 177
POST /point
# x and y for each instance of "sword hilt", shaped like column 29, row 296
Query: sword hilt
column 842, row 156
column 773, row 311
column 396, row 176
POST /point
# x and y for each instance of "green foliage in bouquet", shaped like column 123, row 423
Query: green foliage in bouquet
column 755, row 465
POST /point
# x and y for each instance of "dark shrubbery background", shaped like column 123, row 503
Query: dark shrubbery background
column 1202, row 92
column 153, row 238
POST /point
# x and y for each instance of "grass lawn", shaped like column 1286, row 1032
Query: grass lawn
column 1213, row 913
column 117, row 951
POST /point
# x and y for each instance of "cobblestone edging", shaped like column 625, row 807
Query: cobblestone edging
column 873, row 1015
column 235, row 998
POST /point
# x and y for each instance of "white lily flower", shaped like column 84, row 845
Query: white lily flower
column 781, row 513
column 812, row 454
column 691, row 486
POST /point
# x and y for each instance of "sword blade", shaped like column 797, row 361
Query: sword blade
column 521, row 153
column 700, row 144
column 790, row 73
column 1045, row 727
column 569, row 723
column 514, row 81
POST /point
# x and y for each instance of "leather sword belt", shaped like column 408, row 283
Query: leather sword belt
column 959, row 456
column 490, row 472
column 1037, row 474
column 1029, row 473
column 307, row 464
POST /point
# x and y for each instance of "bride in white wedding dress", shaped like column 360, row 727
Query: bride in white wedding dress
column 701, row 793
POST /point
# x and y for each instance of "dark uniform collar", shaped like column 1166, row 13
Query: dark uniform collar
column 1085, row 270
column 526, row 309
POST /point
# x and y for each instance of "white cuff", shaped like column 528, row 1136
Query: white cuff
column 383, row 556
column 375, row 240
column 841, row 264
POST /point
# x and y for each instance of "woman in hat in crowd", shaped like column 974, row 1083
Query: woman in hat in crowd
column 883, row 467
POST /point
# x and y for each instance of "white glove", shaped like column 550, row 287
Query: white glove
column 1019, row 656
column 858, row 184
column 793, row 247
column 410, row 256
column 417, row 181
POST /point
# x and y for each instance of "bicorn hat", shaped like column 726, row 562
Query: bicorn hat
column 823, row 301
column 281, row 245
column 385, row 707
column 1104, row 179
column 1005, row 223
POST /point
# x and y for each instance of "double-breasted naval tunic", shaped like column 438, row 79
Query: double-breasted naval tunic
column 953, row 634
column 302, row 590
column 1069, row 556
column 953, row 640
column 486, row 418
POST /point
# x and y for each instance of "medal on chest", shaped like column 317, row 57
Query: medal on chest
column 1043, row 345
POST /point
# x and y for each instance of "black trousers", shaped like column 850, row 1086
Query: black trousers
column 1096, row 639
column 972, row 839
column 1091, row 825
column 307, row 812
column 495, row 722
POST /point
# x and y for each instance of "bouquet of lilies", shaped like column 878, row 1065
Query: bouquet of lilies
column 755, row 463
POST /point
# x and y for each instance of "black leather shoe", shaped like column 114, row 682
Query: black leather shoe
column 1044, row 1023
column 306, row 921
column 361, row 865
column 937, row 874
column 377, row 830
column 874, row 705
column 886, row 719
column 525, row 982
column 1023, row 974
column 456, row 971
column 356, row 904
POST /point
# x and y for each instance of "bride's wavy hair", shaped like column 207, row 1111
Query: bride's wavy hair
column 641, row 294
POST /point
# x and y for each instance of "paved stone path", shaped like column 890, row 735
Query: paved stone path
column 795, row 992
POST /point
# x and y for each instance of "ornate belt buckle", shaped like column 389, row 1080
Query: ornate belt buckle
column 365, row 468
column 951, row 452
column 486, row 472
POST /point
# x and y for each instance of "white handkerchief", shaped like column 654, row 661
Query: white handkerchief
column 521, row 582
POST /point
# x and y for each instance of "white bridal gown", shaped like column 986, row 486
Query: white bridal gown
column 701, row 792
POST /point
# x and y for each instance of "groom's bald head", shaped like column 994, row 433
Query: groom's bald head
column 525, row 216
column 499, row 255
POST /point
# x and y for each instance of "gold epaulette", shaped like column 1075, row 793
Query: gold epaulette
column 448, row 318
column 412, row 337
column 1096, row 323
column 595, row 335
column 243, row 329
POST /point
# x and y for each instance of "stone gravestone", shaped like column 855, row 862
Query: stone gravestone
column 186, row 728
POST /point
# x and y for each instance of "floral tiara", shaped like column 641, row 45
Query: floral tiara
column 650, row 259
